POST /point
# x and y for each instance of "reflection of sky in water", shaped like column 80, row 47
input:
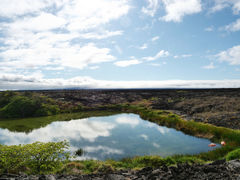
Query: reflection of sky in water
column 115, row 137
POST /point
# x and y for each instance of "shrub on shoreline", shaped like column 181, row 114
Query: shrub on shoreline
column 35, row 158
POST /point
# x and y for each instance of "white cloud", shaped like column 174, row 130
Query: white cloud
column 235, row 26
column 177, row 9
column 155, row 64
column 155, row 38
column 144, row 46
column 152, row 7
column 221, row 4
column 158, row 64
column 127, row 63
column 49, row 32
column 231, row 55
column 209, row 29
column 51, row 50
column 80, row 57
column 210, row 66
column 160, row 54
column 15, row 81
column 43, row 22
column 84, row 15
column 54, row 68
column 182, row 56
column 94, row 67
column 11, row 8
column 101, row 35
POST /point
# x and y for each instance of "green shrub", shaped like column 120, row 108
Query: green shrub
column 47, row 110
column 25, row 106
column 19, row 106
column 12, row 158
column 235, row 154
column 5, row 97
column 36, row 158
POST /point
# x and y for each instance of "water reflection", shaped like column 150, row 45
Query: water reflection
column 115, row 137
column 124, row 119
column 76, row 129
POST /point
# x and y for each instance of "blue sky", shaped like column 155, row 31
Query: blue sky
column 119, row 44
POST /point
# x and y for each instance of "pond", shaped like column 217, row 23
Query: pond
column 112, row 137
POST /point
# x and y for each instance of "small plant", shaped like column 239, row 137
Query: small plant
column 235, row 154
column 72, row 168
column 105, row 168
column 153, row 161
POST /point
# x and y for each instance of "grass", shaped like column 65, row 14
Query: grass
column 94, row 166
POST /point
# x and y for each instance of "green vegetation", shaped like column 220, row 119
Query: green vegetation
column 14, row 105
column 235, row 154
column 94, row 166
column 33, row 158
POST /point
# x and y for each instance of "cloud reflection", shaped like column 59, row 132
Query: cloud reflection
column 75, row 129
column 133, row 121
column 112, row 137
column 103, row 149
column 156, row 145
column 162, row 130
column 144, row 136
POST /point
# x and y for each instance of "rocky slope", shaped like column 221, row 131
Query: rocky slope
column 216, row 170
column 220, row 107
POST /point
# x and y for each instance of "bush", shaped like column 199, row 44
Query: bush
column 5, row 97
column 24, row 106
column 47, row 110
column 19, row 106
column 36, row 158
column 235, row 154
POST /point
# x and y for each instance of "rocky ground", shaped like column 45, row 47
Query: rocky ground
column 220, row 107
column 216, row 170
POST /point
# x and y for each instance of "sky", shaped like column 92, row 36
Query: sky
column 48, row 44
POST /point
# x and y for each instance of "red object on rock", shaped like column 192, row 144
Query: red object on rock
column 223, row 143
column 212, row 145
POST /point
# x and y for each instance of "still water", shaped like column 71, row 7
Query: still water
column 112, row 137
